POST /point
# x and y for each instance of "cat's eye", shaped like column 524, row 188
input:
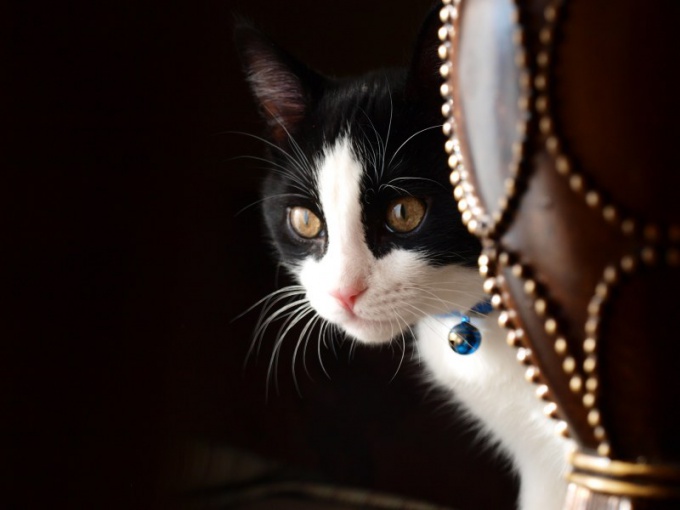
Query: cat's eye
column 304, row 222
column 405, row 214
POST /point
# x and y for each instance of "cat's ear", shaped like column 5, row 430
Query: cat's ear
column 283, row 87
column 424, row 79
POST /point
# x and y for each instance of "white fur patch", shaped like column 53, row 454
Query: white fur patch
column 401, row 287
column 490, row 383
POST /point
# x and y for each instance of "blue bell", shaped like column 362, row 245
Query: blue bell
column 464, row 338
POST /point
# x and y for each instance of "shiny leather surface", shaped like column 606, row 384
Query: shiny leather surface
column 612, row 89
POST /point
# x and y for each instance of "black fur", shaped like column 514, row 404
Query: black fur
column 305, row 111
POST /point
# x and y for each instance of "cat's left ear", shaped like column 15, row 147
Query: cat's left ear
column 284, row 88
column 424, row 80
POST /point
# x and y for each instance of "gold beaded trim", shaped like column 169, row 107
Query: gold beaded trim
column 650, row 234
column 579, row 183
column 491, row 265
column 656, row 244
column 478, row 221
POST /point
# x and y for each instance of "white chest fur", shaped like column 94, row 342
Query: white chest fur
column 491, row 386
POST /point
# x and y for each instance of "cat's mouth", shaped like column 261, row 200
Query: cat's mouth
column 371, row 331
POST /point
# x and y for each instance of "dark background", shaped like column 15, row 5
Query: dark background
column 125, row 263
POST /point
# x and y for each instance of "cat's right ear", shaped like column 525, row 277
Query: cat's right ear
column 283, row 87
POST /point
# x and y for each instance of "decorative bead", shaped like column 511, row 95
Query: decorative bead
column 553, row 144
column 561, row 346
column 464, row 338
column 550, row 410
column 522, row 102
column 576, row 182
column 445, row 70
column 550, row 326
column 447, row 128
column 610, row 213
column 532, row 374
column 594, row 417
column 562, row 429
column 517, row 34
column 545, row 125
column 443, row 32
column 589, row 345
column 445, row 90
column 593, row 198
column 504, row 258
column 610, row 274
column 517, row 150
column 505, row 319
column 518, row 270
column 503, row 203
column 562, row 165
column 514, row 337
column 649, row 256
column 490, row 283
column 595, row 305
column 530, row 287
column 497, row 301
column 576, row 384
column 599, row 433
column 447, row 107
column 540, row 82
column 542, row 103
column 604, row 449
column 591, row 384
column 602, row 290
column 542, row 391
column 590, row 364
column 569, row 365
column 592, row 325
column 545, row 35
column 454, row 178
column 510, row 186
column 454, row 161
column 524, row 355
column 550, row 13
column 540, row 306
column 628, row 264
column 588, row 400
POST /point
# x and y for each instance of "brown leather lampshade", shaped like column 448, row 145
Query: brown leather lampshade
column 563, row 120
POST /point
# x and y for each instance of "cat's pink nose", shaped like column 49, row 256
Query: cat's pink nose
column 347, row 296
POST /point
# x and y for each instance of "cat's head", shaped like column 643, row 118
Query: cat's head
column 357, row 201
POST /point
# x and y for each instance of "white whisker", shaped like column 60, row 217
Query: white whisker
column 438, row 126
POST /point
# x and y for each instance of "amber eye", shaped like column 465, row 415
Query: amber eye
column 305, row 223
column 405, row 214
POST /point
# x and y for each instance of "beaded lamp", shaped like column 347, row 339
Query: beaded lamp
column 562, row 120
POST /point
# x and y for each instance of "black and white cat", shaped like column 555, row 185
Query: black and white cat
column 360, row 210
